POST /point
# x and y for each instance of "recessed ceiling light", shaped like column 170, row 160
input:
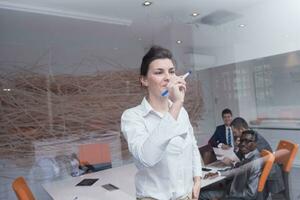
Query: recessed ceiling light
column 178, row 41
column 147, row 3
column 195, row 14
column 139, row 39
column 242, row 25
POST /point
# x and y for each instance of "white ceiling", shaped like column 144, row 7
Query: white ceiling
column 129, row 11
column 127, row 26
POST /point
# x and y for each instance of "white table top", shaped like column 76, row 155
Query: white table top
column 122, row 177
column 206, row 182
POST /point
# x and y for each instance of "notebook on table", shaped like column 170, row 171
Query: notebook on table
column 87, row 182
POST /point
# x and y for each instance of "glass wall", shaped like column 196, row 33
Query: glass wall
column 65, row 81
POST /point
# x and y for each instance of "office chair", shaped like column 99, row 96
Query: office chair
column 285, row 156
column 94, row 157
column 268, row 160
column 22, row 190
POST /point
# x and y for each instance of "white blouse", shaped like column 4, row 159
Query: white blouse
column 164, row 149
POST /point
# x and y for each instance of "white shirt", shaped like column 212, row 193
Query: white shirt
column 164, row 149
column 227, row 135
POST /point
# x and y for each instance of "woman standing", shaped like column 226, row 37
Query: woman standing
column 160, row 136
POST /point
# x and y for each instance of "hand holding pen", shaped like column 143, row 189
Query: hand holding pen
column 176, row 88
column 166, row 92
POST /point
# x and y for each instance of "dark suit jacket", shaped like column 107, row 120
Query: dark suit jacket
column 218, row 137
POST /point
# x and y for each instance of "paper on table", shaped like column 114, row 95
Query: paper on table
column 222, row 153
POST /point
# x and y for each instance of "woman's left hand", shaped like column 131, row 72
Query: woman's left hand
column 196, row 190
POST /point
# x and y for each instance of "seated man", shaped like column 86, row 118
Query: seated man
column 239, row 125
column 245, row 177
column 223, row 137
column 275, row 182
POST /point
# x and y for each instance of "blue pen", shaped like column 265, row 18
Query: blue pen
column 166, row 92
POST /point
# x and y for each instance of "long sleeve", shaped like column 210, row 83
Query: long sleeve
column 250, row 191
column 246, row 178
column 213, row 140
column 219, row 136
column 148, row 147
column 197, row 168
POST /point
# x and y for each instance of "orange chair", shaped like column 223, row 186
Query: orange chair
column 268, row 160
column 95, row 157
column 22, row 190
column 285, row 156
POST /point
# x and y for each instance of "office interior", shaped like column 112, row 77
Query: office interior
column 69, row 69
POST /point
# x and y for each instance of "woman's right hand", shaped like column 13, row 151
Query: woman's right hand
column 177, row 89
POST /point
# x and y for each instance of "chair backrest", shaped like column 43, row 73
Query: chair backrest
column 285, row 154
column 268, row 160
column 94, row 154
column 22, row 190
